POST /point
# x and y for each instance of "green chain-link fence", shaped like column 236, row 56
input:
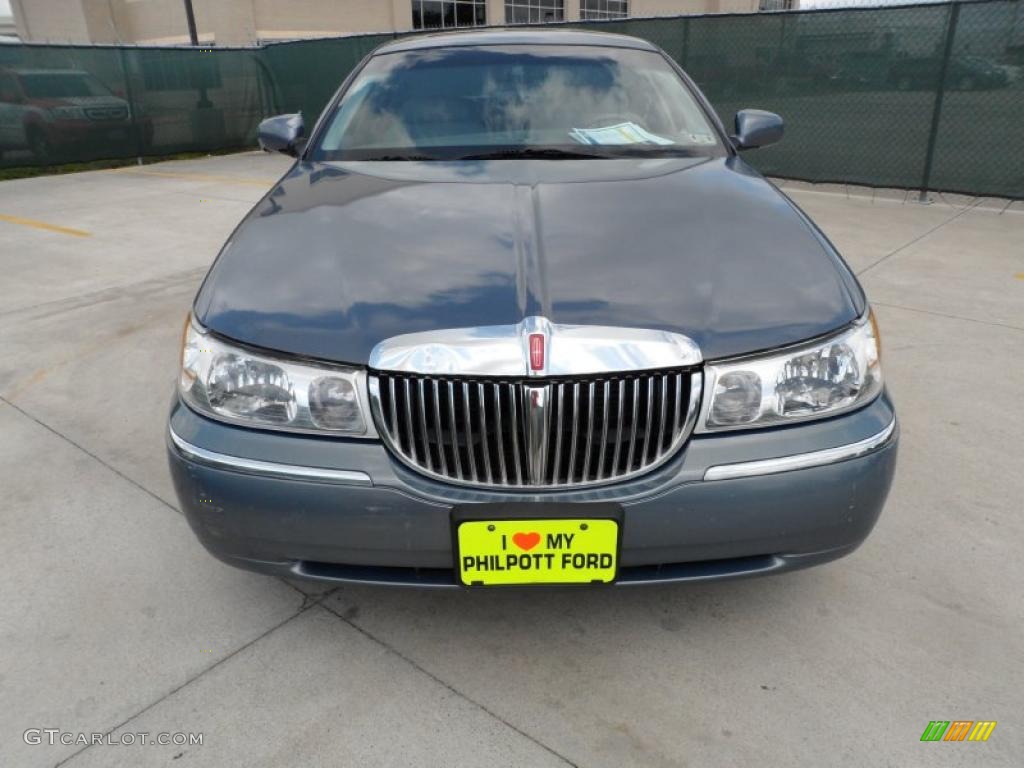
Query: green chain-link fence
column 919, row 97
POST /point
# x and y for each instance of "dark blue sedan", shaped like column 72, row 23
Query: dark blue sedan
column 520, row 314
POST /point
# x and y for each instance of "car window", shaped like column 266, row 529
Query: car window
column 450, row 103
column 59, row 85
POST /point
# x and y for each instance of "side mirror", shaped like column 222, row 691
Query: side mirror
column 757, row 128
column 284, row 133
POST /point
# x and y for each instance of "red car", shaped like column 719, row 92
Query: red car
column 52, row 112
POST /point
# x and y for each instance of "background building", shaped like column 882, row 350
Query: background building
column 245, row 22
column 8, row 30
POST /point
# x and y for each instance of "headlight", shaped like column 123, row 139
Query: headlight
column 253, row 389
column 807, row 382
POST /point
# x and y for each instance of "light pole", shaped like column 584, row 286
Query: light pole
column 190, row 17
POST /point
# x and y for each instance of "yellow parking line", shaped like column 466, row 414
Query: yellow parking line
column 264, row 183
column 1020, row 275
column 44, row 225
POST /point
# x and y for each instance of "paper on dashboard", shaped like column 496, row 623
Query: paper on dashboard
column 623, row 133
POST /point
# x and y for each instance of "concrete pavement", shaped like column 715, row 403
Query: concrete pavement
column 114, row 620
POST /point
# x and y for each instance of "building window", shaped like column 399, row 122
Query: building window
column 448, row 14
column 534, row 11
column 603, row 9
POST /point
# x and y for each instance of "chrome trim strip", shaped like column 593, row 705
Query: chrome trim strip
column 650, row 417
column 408, row 419
column 606, row 395
column 693, row 410
column 632, row 433
column 254, row 467
column 438, row 428
column 421, row 408
column 452, row 423
column 469, row 421
column 483, row 434
column 537, row 422
column 573, row 432
column 801, row 460
column 663, row 416
column 618, row 432
column 503, row 350
column 558, row 433
column 513, row 393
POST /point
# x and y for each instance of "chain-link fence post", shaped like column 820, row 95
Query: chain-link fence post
column 940, row 92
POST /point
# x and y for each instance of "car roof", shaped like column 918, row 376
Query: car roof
column 514, row 36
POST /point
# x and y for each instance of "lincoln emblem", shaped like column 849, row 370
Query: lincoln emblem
column 536, row 351
column 537, row 422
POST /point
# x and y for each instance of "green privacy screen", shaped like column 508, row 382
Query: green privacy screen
column 919, row 96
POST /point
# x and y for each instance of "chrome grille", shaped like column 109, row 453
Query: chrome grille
column 536, row 433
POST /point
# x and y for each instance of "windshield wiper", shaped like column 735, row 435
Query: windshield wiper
column 394, row 157
column 529, row 153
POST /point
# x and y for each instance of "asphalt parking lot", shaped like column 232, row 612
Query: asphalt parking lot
column 113, row 619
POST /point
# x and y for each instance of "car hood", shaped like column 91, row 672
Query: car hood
column 338, row 257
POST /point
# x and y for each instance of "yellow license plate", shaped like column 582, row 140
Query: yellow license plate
column 505, row 552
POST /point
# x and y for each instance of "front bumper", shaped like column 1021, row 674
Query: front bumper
column 344, row 510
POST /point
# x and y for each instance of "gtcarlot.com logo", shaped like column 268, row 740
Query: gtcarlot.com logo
column 54, row 736
column 958, row 730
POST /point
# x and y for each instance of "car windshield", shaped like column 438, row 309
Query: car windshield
column 517, row 101
column 59, row 85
